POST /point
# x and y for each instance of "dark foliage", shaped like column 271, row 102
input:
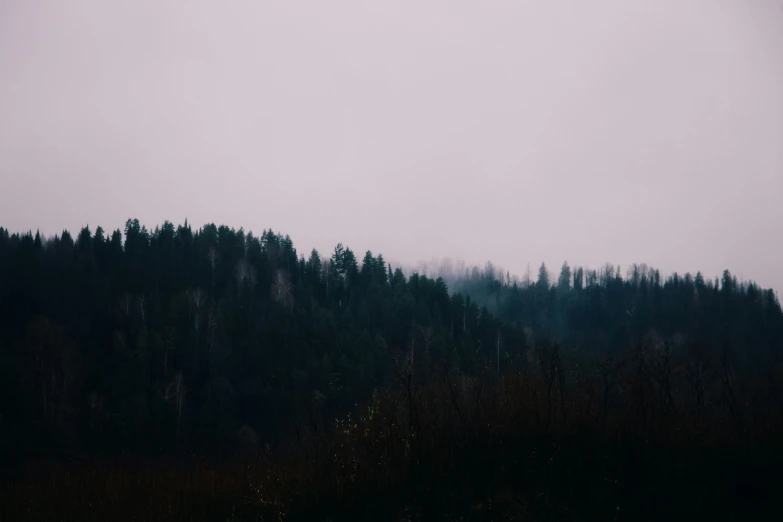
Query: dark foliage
column 349, row 390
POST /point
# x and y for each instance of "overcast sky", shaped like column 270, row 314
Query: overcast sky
column 514, row 131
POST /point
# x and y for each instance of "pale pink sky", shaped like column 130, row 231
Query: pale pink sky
column 510, row 130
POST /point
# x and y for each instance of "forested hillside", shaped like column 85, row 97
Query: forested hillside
column 222, row 344
column 172, row 337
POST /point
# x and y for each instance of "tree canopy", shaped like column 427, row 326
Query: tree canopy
column 147, row 340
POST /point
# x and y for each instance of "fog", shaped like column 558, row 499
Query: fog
column 511, row 131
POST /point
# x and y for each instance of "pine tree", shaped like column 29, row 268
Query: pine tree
column 564, row 281
column 543, row 277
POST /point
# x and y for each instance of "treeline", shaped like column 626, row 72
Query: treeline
column 163, row 341
column 600, row 311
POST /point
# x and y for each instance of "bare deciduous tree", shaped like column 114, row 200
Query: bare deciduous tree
column 245, row 273
column 142, row 302
column 124, row 306
column 175, row 394
column 428, row 335
column 197, row 299
column 547, row 358
column 697, row 370
column 608, row 368
column 281, row 289
column 213, row 259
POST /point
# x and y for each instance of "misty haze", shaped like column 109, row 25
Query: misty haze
column 405, row 260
